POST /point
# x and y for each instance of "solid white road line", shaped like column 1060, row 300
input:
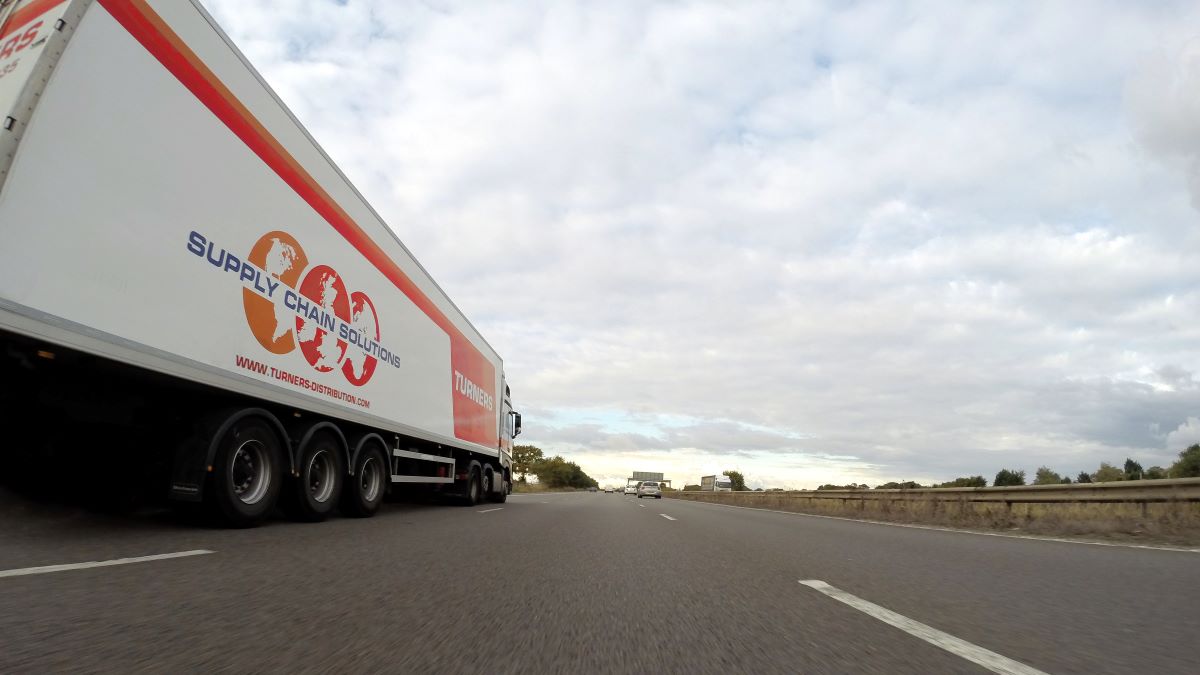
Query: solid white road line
column 642, row 505
column 99, row 563
column 498, row 508
column 973, row 653
column 666, row 516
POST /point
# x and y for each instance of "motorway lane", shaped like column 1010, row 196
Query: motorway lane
column 1061, row 607
column 569, row 583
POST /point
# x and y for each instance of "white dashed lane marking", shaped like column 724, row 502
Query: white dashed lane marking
column 46, row 569
column 971, row 652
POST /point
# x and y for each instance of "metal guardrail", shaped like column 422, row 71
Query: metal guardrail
column 1134, row 491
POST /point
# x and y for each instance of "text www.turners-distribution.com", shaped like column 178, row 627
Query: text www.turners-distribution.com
column 253, row 366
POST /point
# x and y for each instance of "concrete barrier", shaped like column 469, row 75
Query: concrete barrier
column 1165, row 510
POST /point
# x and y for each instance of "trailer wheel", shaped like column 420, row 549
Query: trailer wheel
column 501, row 496
column 473, row 490
column 315, row 492
column 364, row 492
column 247, row 473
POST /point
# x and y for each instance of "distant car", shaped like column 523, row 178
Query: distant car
column 607, row 490
column 649, row 489
column 631, row 489
column 593, row 489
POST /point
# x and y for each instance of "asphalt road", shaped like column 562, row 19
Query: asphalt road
column 575, row 583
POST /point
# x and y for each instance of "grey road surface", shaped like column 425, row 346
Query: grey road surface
column 576, row 583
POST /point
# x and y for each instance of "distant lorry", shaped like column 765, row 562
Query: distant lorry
column 184, row 271
column 716, row 484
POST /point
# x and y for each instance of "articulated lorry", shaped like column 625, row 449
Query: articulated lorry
column 187, row 277
column 716, row 483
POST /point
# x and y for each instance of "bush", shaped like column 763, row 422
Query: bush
column 738, row 480
column 964, row 481
column 906, row 485
column 1009, row 478
column 1107, row 473
column 1133, row 470
column 557, row 472
column 1045, row 476
column 1188, row 465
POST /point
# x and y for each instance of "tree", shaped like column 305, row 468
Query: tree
column 851, row 486
column 1133, row 470
column 1107, row 473
column 1009, row 478
column 1083, row 477
column 1047, row 477
column 524, row 458
column 557, row 472
column 964, row 481
column 906, row 485
column 1188, row 465
column 1155, row 473
column 1066, row 480
column 691, row 488
column 738, row 480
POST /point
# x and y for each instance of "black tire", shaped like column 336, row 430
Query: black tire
column 314, row 494
column 502, row 496
column 364, row 490
column 247, row 474
column 473, row 490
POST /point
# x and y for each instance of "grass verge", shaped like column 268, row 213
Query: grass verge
column 1174, row 523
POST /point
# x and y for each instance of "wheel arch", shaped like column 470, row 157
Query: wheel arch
column 361, row 443
column 309, row 431
column 232, row 418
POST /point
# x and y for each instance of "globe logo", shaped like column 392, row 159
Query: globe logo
column 321, row 317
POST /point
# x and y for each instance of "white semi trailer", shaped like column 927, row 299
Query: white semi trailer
column 184, row 271
column 720, row 483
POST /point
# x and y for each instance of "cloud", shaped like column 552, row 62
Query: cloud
column 864, row 242
column 1164, row 103
column 1185, row 435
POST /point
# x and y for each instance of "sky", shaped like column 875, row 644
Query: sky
column 813, row 242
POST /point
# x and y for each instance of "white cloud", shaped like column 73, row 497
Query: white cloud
column 1164, row 102
column 1185, row 435
column 866, row 243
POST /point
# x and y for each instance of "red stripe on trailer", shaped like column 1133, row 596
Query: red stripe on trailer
column 26, row 13
column 472, row 422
